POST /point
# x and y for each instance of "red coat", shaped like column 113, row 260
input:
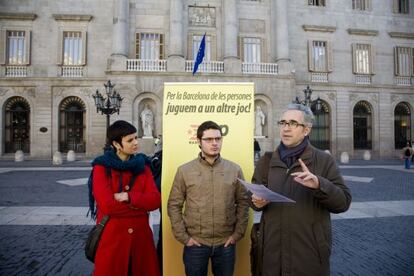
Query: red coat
column 127, row 239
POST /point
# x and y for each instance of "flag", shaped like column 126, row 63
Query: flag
column 200, row 54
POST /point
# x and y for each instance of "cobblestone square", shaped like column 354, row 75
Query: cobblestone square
column 43, row 224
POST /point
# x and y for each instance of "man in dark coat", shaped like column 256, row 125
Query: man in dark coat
column 296, row 238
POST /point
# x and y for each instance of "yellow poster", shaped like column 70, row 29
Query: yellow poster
column 186, row 106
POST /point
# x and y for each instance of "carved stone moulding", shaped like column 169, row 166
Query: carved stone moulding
column 201, row 16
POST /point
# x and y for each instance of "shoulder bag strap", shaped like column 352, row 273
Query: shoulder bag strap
column 104, row 220
column 267, row 158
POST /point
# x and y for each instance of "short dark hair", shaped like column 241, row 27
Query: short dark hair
column 205, row 126
column 118, row 130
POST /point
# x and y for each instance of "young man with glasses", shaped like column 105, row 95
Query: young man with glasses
column 216, row 207
column 296, row 237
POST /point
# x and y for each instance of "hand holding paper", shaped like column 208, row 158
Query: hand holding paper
column 259, row 202
column 262, row 192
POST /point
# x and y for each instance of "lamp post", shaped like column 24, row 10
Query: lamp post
column 308, row 99
column 108, row 106
column 319, row 134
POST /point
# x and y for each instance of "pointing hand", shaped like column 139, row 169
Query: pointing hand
column 306, row 178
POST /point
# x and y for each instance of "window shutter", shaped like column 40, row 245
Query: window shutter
column 263, row 50
column 329, row 56
column 27, row 46
column 372, row 59
column 59, row 50
column 412, row 62
column 240, row 48
column 162, row 48
column 3, row 51
column 84, row 47
column 213, row 46
column 137, row 45
column 311, row 65
column 190, row 46
column 368, row 4
column 395, row 6
column 354, row 61
column 396, row 62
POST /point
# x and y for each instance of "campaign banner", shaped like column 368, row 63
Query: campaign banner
column 185, row 107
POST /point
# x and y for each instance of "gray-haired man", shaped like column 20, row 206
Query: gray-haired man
column 297, row 237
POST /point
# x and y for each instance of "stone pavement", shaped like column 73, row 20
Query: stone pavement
column 58, row 215
column 43, row 223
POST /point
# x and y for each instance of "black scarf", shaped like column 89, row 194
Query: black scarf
column 290, row 155
column 135, row 164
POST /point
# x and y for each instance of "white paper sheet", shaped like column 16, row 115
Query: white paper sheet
column 265, row 193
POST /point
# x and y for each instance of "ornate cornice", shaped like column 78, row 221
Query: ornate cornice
column 315, row 28
column 17, row 16
column 72, row 17
column 401, row 35
column 362, row 32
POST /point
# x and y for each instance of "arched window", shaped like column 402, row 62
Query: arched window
column 72, row 125
column 17, row 125
column 402, row 125
column 362, row 125
column 321, row 130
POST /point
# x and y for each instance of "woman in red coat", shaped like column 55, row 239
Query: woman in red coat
column 124, row 190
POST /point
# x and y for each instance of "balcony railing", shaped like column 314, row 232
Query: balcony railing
column 363, row 79
column 319, row 77
column 16, row 71
column 403, row 81
column 206, row 66
column 259, row 68
column 146, row 65
column 72, row 71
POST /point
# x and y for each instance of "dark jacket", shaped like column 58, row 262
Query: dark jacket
column 297, row 236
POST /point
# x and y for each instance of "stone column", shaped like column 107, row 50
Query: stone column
column 120, row 31
column 383, row 141
column 43, row 144
column 232, row 63
column 282, row 36
column 344, row 123
column 176, row 61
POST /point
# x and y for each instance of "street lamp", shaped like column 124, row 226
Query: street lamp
column 308, row 100
column 108, row 106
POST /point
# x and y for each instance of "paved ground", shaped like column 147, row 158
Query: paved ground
column 42, row 223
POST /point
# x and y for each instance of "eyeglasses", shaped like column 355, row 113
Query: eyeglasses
column 211, row 139
column 290, row 124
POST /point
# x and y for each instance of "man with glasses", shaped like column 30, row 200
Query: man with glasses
column 296, row 237
column 216, row 207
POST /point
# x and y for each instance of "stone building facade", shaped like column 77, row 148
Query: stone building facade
column 355, row 55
